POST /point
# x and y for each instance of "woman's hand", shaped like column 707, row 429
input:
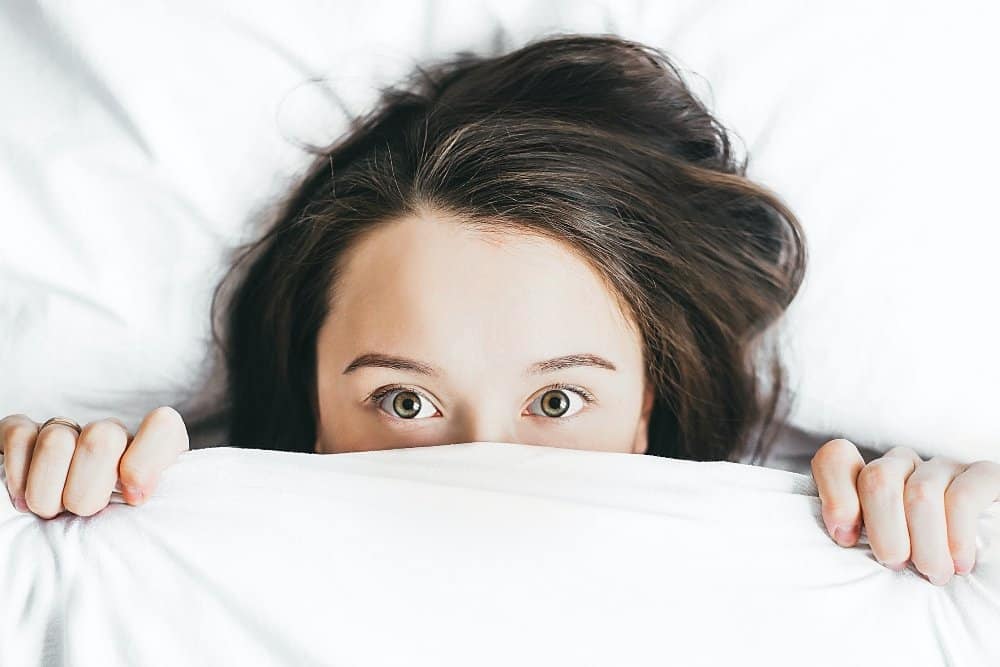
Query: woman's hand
column 56, row 469
column 912, row 510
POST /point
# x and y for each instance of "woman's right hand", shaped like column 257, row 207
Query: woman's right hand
column 56, row 469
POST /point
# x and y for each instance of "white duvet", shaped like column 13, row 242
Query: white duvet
column 475, row 554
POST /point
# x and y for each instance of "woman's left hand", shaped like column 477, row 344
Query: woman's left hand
column 913, row 510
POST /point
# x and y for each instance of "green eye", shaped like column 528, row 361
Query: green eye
column 560, row 401
column 404, row 403
column 556, row 402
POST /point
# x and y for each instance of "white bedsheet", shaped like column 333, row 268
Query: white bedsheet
column 475, row 554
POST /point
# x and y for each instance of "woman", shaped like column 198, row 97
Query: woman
column 556, row 246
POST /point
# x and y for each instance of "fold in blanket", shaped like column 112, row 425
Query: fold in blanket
column 475, row 554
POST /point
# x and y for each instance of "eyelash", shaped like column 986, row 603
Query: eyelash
column 376, row 397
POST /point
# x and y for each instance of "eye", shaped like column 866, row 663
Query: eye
column 558, row 400
column 404, row 403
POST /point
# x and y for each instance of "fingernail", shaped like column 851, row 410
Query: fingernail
column 20, row 505
column 894, row 566
column 962, row 567
column 936, row 580
column 843, row 535
column 134, row 493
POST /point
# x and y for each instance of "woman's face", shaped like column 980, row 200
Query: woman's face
column 469, row 334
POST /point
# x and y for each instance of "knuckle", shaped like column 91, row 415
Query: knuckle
column 56, row 440
column 833, row 451
column 10, row 420
column 101, row 438
column 943, row 460
column 164, row 415
column 875, row 479
column 175, row 435
column 19, row 432
column 921, row 492
column 991, row 468
column 17, row 439
column 905, row 451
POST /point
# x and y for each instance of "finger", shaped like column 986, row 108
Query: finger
column 50, row 461
column 93, row 470
column 159, row 440
column 835, row 469
column 964, row 500
column 923, row 501
column 880, row 488
column 17, row 440
column 906, row 454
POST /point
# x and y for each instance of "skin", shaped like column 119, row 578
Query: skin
column 57, row 469
column 428, row 289
column 457, row 301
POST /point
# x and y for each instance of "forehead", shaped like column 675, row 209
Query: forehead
column 429, row 285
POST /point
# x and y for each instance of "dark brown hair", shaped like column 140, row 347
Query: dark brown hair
column 593, row 140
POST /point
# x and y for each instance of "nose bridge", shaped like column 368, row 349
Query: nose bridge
column 489, row 423
column 491, row 431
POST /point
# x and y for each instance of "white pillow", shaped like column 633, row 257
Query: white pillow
column 137, row 142
column 475, row 554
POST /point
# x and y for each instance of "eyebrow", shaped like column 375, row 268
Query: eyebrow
column 537, row 368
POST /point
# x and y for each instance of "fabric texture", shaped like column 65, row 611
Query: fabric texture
column 475, row 554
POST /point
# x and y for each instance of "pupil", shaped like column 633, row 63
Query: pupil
column 555, row 405
column 406, row 404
